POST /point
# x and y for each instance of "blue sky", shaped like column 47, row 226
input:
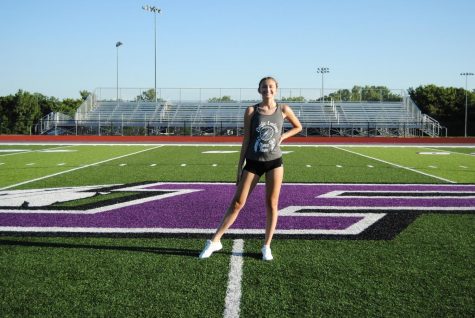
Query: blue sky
column 59, row 47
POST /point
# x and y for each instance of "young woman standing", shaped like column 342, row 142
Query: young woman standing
column 261, row 154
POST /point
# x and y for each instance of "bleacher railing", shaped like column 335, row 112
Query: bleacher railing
column 52, row 121
column 204, row 95
column 219, row 111
column 87, row 106
column 229, row 128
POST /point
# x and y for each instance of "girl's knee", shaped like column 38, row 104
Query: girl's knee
column 272, row 203
column 237, row 204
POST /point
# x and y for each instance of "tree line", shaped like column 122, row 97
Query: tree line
column 19, row 113
column 447, row 106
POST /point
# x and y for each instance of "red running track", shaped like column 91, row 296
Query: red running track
column 232, row 139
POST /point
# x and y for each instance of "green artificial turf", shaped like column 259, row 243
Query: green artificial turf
column 425, row 271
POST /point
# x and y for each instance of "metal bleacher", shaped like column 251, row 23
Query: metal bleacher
column 345, row 118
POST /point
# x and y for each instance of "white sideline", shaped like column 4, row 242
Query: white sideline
column 396, row 165
column 77, row 168
column 232, row 302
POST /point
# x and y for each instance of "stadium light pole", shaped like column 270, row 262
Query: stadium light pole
column 117, row 46
column 155, row 11
column 323, row 70
column 466, row 74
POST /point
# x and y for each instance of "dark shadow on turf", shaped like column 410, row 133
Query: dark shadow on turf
column 257, row 256
column 155, row 250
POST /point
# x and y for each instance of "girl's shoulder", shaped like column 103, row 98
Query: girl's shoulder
column 251, row 109
column 284, row 107
column 286, row 110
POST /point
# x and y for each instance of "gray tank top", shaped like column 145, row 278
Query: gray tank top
column 266, row 131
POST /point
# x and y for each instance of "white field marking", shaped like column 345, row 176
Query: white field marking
column 153, row 165
column 183, row 165
column 30, row 164
column 77, row 168
column 61, row 164
column 45, row 197
column 232, row 302
column 433, row 153
column 322, row 184
column 453, row 152
column 56, row 150
column 262, row 183
column 338, row 166
column 309, row 166
column 2, row 163
column 215, row 164
column 286, row 152
column 106, row 208
column 122, row 164
column 219, row 151
column 339, row 194
column 433, row 167
column 37, row 150
column 14, row 150
column 292, row 211
column 463, row 167
column 326, row 144
column 396, row 165
column 367, row 220
column 370, row 166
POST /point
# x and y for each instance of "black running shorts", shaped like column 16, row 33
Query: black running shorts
column 261, row 167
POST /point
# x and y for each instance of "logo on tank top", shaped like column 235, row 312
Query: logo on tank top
column 266, row 137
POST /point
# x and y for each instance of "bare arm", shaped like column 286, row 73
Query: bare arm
column 245, row 141
column 289, row 115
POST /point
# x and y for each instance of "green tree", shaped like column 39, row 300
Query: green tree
column 340, row 95
column 377, row 93
column 445, row 104
column 226, row 99
column 438, row 102
column 84, row 94
column 6, row 108
column 25, row 112
column 68, row 106
column 366, row 93
column 295, row 99
column 19, row 113
column 147, row 96
column 47, row 104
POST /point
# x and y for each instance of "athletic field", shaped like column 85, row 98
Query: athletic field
column 115, row 231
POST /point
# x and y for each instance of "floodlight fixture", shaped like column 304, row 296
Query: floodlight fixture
column 323, row 70
column 466, row 74
column 151, row 8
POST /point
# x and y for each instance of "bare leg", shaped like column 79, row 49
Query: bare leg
column 273, row 185
column 246, row 185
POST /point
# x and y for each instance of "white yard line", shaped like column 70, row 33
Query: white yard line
column 232, row 302
column 78, row 168
column 35, row 150
column 396, row 165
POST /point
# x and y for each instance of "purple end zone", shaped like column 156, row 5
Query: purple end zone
column 203, row 209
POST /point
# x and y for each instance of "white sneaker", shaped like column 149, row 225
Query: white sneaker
column 266, row 253
column 210, row 248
